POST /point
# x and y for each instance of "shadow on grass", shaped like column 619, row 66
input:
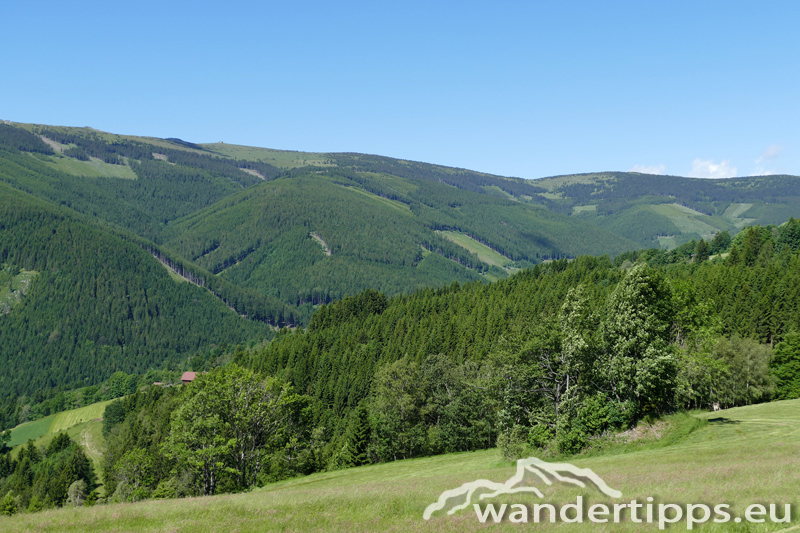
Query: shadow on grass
column 722, row 420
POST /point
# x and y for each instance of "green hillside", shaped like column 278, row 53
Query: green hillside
column 672, row 210
column 264, row 237
column 742, row 456
column 133, row 253
column 463, row 368
column 99, row 304
column 249, row 215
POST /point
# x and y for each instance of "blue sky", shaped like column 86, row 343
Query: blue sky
column 527, row 89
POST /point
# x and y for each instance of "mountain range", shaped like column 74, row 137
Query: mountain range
column 111, row 242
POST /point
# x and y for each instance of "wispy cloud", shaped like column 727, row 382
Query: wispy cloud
column 702, row 168
column 644, row 169
column 772, row 152
column 763, row 172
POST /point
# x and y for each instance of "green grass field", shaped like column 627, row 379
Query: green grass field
column 278, row 158
column 90, row 169
column 686, row 219
column 54, row 423
column 742, row 456
column 578, row 209
column 67, row 419
column 30, row 430
column 668, row 242
column 557, row 181
column 83, row 425
column 734, row 213
column 394, row 204
column 484, row 253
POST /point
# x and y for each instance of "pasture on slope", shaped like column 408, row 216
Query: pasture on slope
column 57, row 422
column 742, row 456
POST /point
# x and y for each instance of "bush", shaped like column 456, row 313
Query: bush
column 8, row 506
column 35, row 505
column 594, row 415
column 571, row 436
column 76, row 494
column 166, row 489
column 621, row 415
column 540, row 436
column 513, row 444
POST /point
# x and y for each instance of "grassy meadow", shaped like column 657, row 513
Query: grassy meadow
column 52, row 424
column 687, row 220
column 278, row 158
column 94, row 168
column 484, row 253
column 739, row 457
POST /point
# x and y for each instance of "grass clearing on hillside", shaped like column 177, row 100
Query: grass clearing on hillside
column 90, row 436
column 667, row 242
column 278, row 158
column 734, row 214
column 394, row 204
column 94, row 168
column 484, row 253
column 686, row 219
column 739, row 457
column 58, row 422
column 67, row 419
column 13, row 292
column 578, row 209
column 558, row 181
column 30, row 430
column 494, row 190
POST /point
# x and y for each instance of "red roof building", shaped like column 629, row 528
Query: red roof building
column 188, row 377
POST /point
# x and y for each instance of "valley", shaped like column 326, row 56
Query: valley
column 388, row 320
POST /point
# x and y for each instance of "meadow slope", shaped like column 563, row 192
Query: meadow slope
column 742, row 456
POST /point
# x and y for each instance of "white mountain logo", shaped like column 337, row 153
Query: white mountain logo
column 529, row 471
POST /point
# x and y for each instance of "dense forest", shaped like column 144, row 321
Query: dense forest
column 96, row 305
column 262, row 237
column 701, row 194
column 553, row 359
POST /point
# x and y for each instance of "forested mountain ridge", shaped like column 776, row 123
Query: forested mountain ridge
column 272, row 234
column 667, row 211
column 310, row 228
column 653, row 210
column 256, row 218
column 376, row 236
column 96, row 304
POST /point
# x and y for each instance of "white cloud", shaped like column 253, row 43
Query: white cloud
column 708, row 169
column 644, row 169
column 763, row 172
column 772, row 152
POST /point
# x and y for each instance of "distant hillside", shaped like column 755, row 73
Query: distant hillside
column 318, row 235
column 651, row 210
column 667, row 211
column 304, row 228
column 265, row 228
